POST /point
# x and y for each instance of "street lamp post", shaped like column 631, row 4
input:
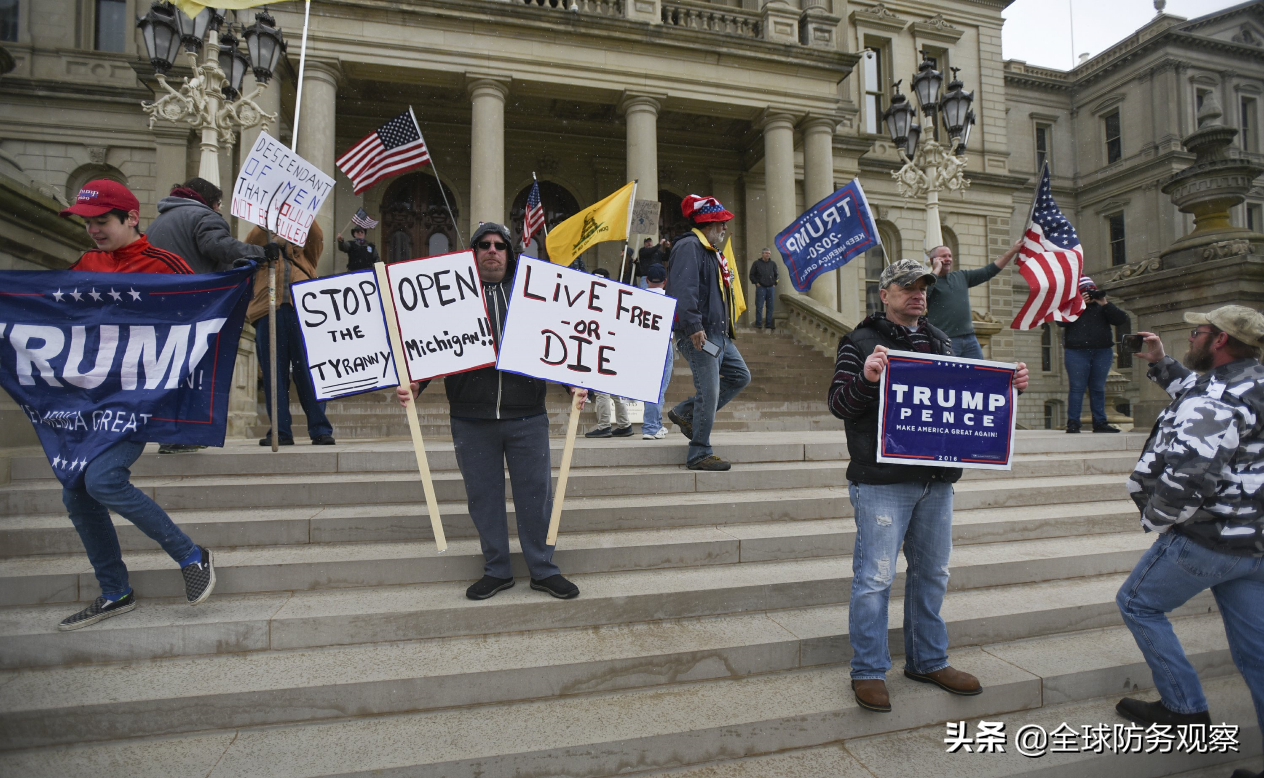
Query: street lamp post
column 930, row 166
column 210, row 100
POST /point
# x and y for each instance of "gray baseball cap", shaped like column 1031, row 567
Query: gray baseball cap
column 905, row 273
column 1245, row 324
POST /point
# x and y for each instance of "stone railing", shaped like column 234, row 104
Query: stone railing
column 704, row 17
column 596, row 7
column 243, row 408
column 814, row 324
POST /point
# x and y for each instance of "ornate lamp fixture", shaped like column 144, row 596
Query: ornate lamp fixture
column 161, row 33
column 265, row 44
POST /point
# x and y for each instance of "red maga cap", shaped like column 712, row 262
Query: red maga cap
column 100, row 197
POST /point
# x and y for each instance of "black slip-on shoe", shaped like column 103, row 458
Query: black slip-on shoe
column 1147, row 713
column 1105, row 428
column 199, row 578
column 557, row 586
column 487, row 586
column 100, row 610
column 323, row 440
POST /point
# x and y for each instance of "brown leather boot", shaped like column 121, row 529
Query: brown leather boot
column 950, row 680
column 871, row 694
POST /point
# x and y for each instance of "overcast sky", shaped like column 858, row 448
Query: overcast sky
column 1039, row 31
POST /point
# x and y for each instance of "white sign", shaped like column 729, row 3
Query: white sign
column 584, row 330
column 279, row 190
column 442, row 318
column 344, row 334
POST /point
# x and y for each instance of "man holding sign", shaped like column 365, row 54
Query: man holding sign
column 499, row 418
column 896, row 505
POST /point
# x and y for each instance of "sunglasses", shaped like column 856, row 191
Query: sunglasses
column 486, row 244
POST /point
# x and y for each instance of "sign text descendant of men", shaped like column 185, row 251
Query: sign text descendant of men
column 584, row 330
column 279, row 190
column 946, row 411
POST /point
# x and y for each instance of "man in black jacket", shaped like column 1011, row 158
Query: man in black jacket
column 763, row 274
column 896, row 505
column 500, row 418
column 360, row 253
column 1089, row 351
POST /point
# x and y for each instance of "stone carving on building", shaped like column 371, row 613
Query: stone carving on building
column 197, row 103
column 882, row 12
column 934, row 168
column 1247, row 37
column 1228, row 248
column 1151, row 265
column 97, row 154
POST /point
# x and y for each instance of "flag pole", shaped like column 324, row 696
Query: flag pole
column 546, row 213
column 623, row 257
column 435, row 167
column 302, row 65
column 272, row 348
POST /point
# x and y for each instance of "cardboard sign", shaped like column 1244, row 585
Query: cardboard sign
column 279, row 190
column 827, row 236
column 585, row 330
column 645, row 217
column 947, row 412
column 344, row 334
column 442, row 317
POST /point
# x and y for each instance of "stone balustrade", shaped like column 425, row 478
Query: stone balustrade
column 595, row 7
column 814, row 324
column 708, row 18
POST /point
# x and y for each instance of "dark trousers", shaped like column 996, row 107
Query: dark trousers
column 483, row 448
column 763, row 305
column 290, row 358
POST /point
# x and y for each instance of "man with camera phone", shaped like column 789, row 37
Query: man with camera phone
column 1090, row 350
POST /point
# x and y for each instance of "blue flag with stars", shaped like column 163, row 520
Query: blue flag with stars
column 94, row 359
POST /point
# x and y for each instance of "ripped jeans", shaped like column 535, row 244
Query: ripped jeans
column 919, row 516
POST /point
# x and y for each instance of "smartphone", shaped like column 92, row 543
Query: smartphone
column 1133, row 344
column 710, row 348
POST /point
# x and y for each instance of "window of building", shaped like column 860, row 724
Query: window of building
column 1254, row 217
column 1044, row 147
column 874, row 265
column 1046, row 348
column 1053, row 415
column 1118, row 255
column 875, row 83
column 1114, row 141
column 9, row 20
column 1123, row 358
column 111, row 25
column 1248, row 130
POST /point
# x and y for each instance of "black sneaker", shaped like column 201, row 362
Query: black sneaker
column 266, row 440
column 487, row 586
column 557, row 586
column 684, row 426
column 99, row 610
column 321, row 440
column 1072, row 429
column 622, row 432
column 1104, row 428
column 599, row 432
column 1147, row 713
column 171, row 448
column 711, row 463
column 199, row 578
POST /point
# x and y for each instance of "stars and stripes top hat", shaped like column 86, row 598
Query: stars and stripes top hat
column 395, row 147
column 701, row 210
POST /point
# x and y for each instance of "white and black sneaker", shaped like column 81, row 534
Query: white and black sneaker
column 199, row 578
column 100, row 610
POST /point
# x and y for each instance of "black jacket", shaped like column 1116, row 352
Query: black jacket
column 1092, row 329
column 693, row 278
column 763, row 273
column 360, row 256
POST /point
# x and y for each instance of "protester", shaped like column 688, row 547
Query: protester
column 1089, row 352
column 500, row 419
column 602, row 404
column 948, row 301
column 701, row 279
column 896, row 505
column 1198, row 484
column 293, row 265
column 189, row 224
column 646, row 256
column 112, row 214
column 763, row 274
column 360, row 253
column 652, row 423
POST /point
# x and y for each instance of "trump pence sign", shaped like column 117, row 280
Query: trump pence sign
column 946, row 411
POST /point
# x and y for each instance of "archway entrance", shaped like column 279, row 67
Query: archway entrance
column 671, row 223
column 415, row 222
column 559, row 205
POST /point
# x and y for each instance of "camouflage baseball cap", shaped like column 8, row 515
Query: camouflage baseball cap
column 905, row 273
column 1243, row 323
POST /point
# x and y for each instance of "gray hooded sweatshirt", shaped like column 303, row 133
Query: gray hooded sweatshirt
column 198, row 234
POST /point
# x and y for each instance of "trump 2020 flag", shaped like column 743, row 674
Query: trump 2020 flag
column 827, row 236
column 94, row 359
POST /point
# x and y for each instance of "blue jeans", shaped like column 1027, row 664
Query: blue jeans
column 107, row 486
column 1170, row 572
column 919, row 516
column 653, row 420
column 290, row 358
column 1087, row 368
column 966, row 346
column 763, row 301
column 716, row 380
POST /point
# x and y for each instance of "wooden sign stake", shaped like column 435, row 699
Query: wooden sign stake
column 571, row 428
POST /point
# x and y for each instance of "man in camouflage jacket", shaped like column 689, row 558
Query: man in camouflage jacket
column 1200, row 484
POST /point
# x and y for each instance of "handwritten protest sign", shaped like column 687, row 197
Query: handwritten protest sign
column 583, row 330
column 939, row 411
column 442, row 318
column 344, row 334
column 827, row 236
column 279, row 190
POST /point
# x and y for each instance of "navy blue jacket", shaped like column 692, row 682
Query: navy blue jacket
column 693, row 279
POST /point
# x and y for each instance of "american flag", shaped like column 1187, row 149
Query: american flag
column 533, row 219
column 1051, row 260
column 393, row 148
column 362, row 219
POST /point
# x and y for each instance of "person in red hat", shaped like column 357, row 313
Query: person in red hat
column 112, row 215
column 701, row 279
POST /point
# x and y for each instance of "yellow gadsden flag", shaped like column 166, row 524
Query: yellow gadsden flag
column 739, row 299
column 598, row 223
column 192, row 8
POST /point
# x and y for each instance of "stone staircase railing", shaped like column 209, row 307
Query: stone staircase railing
column 814, row 324
column 708, row 18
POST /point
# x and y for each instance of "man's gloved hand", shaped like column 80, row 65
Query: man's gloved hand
column 242, row 262
column 272, row 251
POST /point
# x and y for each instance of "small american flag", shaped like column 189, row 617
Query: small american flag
column 362, row 219
column 1051, row 261
column 533, row 219
column 393, row 148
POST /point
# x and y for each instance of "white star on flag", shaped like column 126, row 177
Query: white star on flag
column 95, row 295
column 57, row 461
column 75, row 294
column 115, row 295
column 58, row 295
column 135, row 294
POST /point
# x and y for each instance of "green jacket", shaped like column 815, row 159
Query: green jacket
column 948, row 299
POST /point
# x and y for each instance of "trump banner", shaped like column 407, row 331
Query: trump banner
column 827, row 236
column 938, row 411
column 344, row 334
column 584, row 330
column 94, row 359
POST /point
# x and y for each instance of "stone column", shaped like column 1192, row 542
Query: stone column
column 487, row 151
column 641, row 114
column 171, row 156
column 779, row 182
column 270, row 101
column 316, row 139
column 818, row 183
